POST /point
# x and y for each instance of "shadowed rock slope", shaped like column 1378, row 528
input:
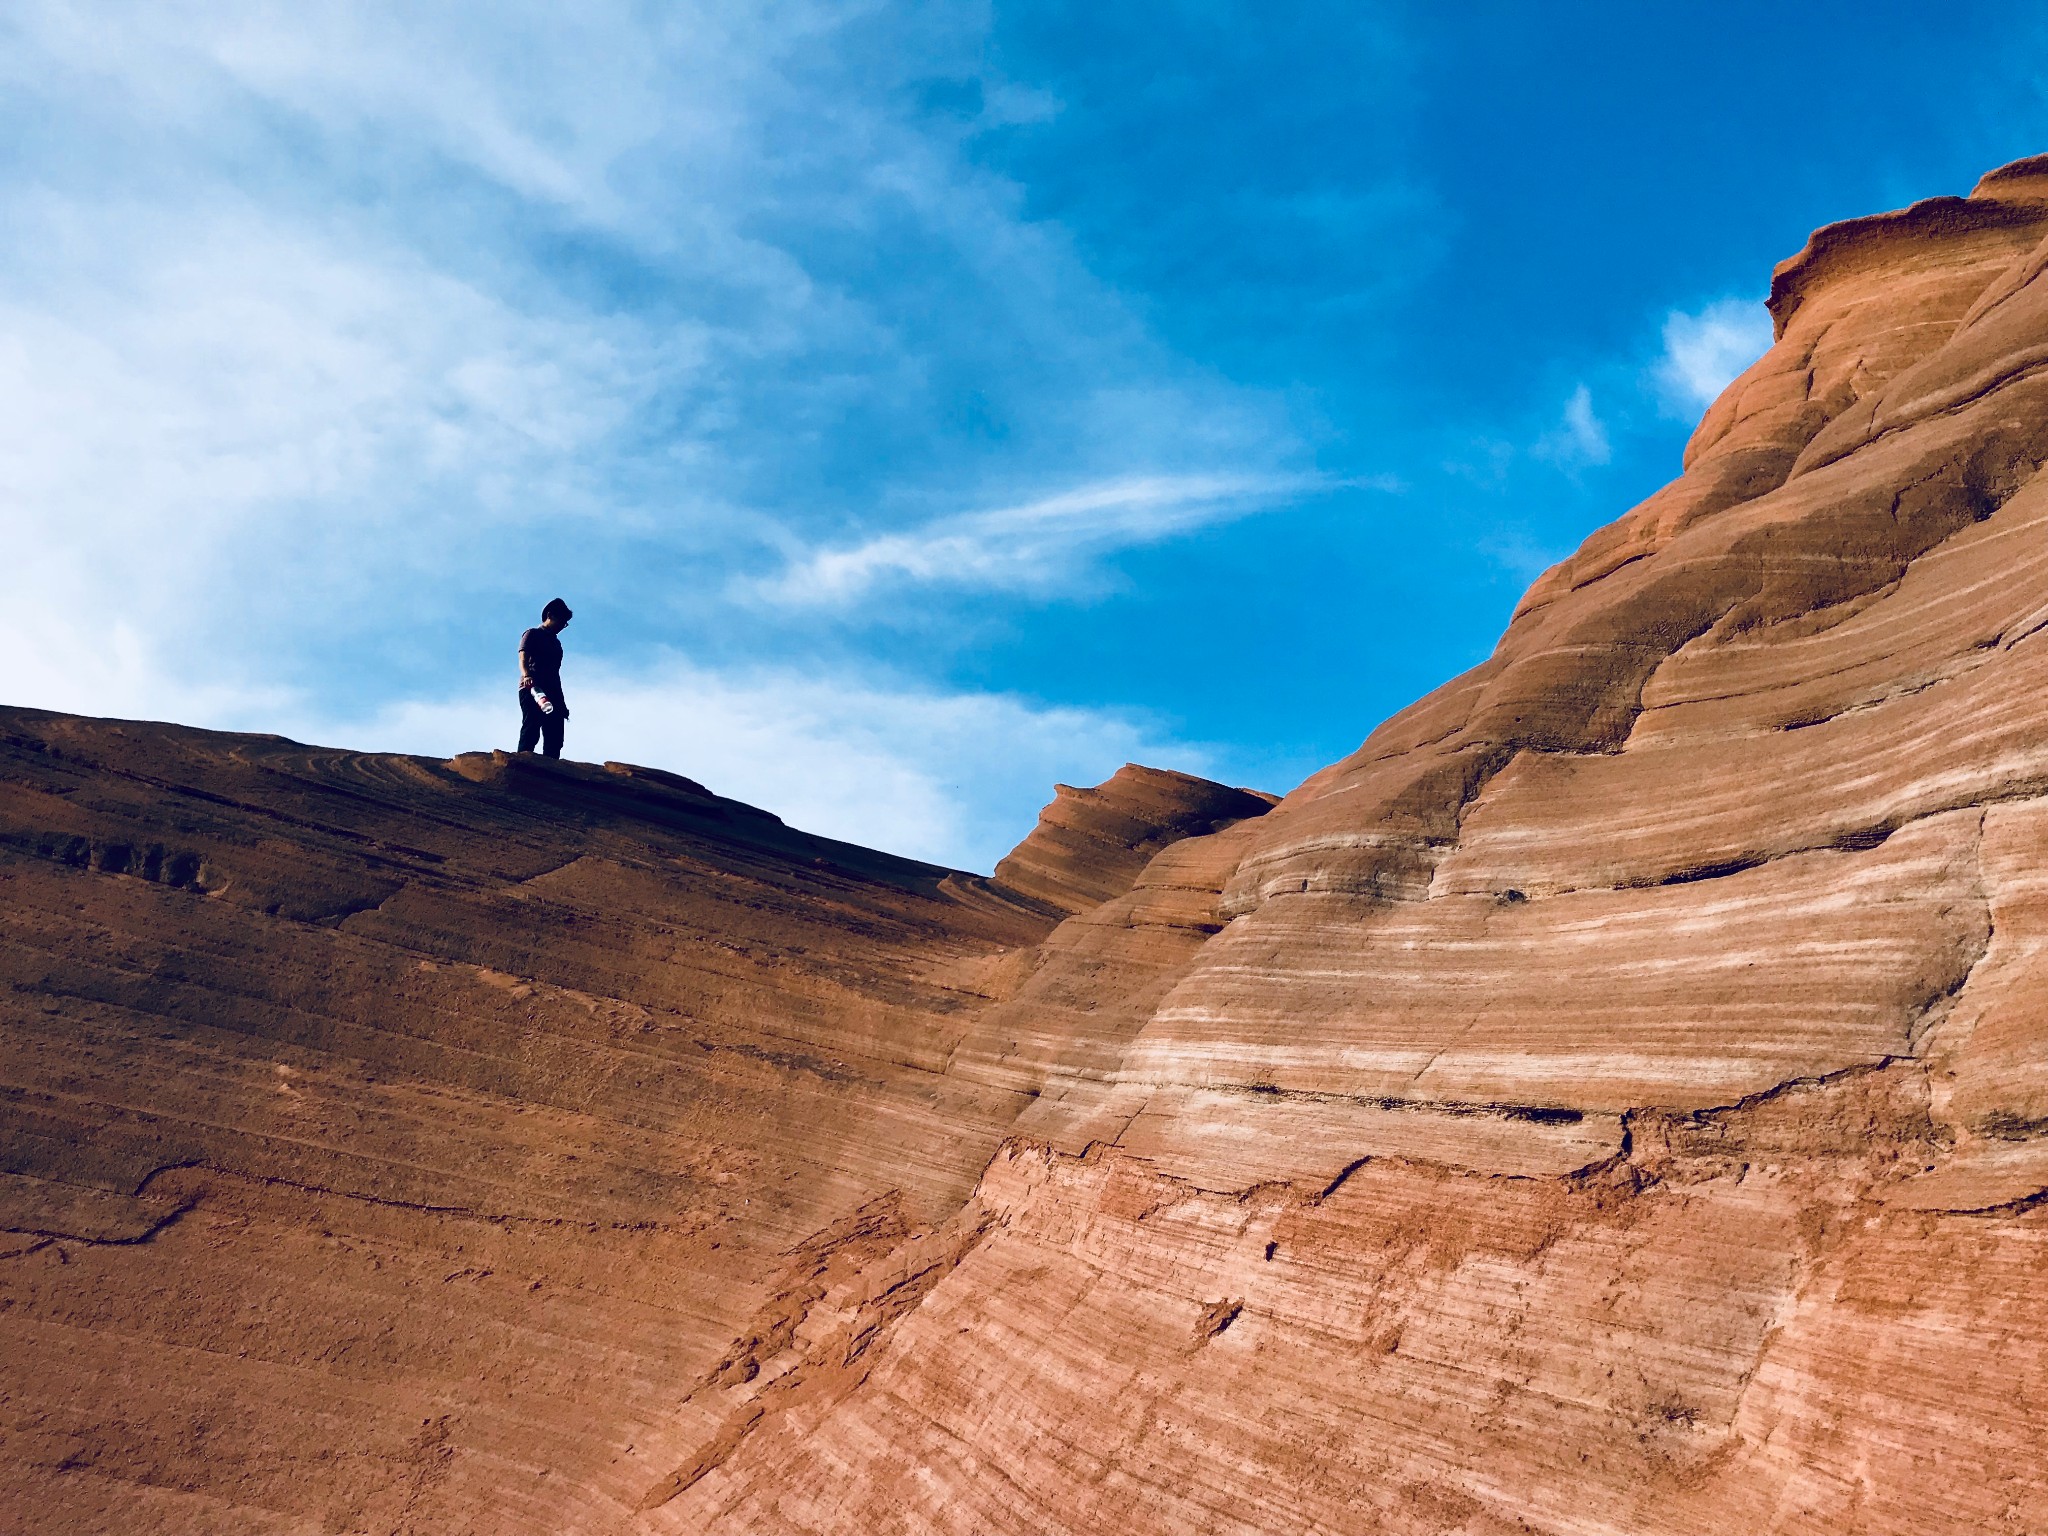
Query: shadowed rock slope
column 1613, row 1100
column 390, row 1144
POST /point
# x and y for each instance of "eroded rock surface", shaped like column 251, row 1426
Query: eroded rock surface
column 1090, row 845
column 1615, row 1099
column 389, row 1144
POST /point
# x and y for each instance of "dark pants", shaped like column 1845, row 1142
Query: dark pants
column 534, row 726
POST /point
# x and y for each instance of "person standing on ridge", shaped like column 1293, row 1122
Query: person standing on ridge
column 542, row 709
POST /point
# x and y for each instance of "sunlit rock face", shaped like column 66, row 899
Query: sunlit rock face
column 1614, row 1100
column 1091, row 844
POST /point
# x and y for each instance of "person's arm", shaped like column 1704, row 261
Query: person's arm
column 526, row 679
column 556, row 698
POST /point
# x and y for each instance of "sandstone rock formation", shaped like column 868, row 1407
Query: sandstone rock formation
column 1613, row 1100
column 390, row 1144
column 1090, row 845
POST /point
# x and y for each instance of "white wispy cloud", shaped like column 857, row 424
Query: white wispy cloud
column 1579, row 439
column 1030, row 546
column 259, row 443
column 1704, row 351
column 333, row 334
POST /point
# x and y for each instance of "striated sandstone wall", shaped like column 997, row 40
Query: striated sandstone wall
column 1613, row 1100
column 387, row 1145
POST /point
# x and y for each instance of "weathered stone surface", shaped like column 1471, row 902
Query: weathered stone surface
column 388, row 1140
column 400, row 1145
column 1091, row 844
column 1615, row 1099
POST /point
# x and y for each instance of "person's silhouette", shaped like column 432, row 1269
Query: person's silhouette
column 543, row 711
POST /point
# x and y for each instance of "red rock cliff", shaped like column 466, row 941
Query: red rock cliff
column 1615, row 1099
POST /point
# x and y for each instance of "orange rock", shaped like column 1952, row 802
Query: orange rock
column 1090, row 844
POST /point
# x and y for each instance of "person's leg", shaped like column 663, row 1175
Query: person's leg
column 551, row 734
column 530, row 721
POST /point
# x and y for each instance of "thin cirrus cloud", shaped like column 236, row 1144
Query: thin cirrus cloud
column 337, row 338
column 1702, row 353
column 1579, row 440
column 249, row 435
column 1031, row 546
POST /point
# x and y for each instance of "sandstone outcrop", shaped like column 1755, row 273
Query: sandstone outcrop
column 390, row 1143
column 1090, row 845
column 1615, row 1099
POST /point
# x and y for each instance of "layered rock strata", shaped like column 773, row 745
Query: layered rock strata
column 1615, row 1099
column 1090, row 845
column 389, row 1144
column 1612, row 1099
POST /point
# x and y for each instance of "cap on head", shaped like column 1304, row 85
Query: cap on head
column 556, row 610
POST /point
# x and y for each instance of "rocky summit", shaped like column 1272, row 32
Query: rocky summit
column 1613, row 1101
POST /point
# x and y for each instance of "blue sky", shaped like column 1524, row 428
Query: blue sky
column 918, row 403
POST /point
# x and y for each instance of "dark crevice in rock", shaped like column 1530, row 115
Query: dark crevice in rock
column 2020, row 1206
column 151, row 862
column 148, row 1234
column 1217, row 1316
column 1536, row 1114
column 1716, row 869
column 423, row 1207
column 2002, row 1126
column 1343, row 1177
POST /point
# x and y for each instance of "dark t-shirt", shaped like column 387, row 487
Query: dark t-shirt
column 540, row 664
